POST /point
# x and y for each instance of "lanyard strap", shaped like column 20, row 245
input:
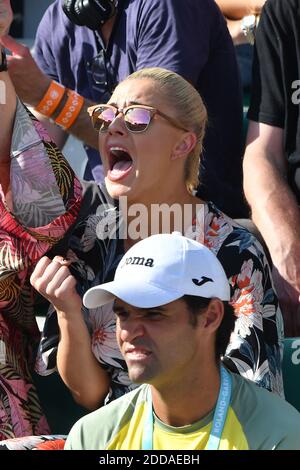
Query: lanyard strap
column 219, row 418
column 147, row 441
column 221, row 411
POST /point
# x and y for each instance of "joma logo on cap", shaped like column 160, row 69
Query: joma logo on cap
column 140, row 261
column 203, row 280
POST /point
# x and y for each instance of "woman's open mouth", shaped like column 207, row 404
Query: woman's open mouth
column 120, row 163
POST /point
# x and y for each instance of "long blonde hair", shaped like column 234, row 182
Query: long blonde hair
column 189, row 110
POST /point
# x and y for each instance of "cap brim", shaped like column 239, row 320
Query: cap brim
column 143, row 295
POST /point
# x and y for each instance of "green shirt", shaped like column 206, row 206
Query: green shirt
column 256, row 420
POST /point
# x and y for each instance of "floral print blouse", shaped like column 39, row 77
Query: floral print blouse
column 53, row 213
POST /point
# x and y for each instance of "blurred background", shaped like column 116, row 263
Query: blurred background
column 27, row 16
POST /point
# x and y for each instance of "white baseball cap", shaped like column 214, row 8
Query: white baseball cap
column 160, row 269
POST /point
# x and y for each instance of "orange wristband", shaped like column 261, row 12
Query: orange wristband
column 51, row 99
column 70, row 111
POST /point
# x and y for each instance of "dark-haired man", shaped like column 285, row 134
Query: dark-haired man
column 173, row 324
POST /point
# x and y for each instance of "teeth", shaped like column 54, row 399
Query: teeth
column 139, row 351
column 117, row 150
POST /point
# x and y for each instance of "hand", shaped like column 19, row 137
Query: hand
column 53, row 280
column 29, row 81
column 6, row 16
column 289, row 300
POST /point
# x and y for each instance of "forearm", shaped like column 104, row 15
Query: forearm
column 24, row 72
column 77, row 365
column 82, row 128
column 274, row 207
column 236, row 9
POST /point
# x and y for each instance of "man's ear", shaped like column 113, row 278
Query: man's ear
column 213, row 315
column 184, row 146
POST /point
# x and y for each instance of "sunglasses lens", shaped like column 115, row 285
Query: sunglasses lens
column 137, row 119
column 102, row 118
